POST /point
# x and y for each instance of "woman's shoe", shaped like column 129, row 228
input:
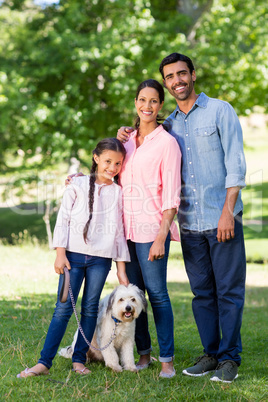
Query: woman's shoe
column 163, row 374
column 143, row 366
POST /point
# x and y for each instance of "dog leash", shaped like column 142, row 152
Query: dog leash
column 63, row 298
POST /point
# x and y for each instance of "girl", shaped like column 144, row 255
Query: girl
column 88, row 235
column 151, row 184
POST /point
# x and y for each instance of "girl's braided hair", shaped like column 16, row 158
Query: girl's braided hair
column 107, row 144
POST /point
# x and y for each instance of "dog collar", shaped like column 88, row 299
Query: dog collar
column 116, row 320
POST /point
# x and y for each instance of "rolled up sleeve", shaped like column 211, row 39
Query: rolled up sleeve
column 232, row 142
column 171, row 176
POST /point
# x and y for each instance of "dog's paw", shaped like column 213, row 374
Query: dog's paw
column 131, row 368
column 116, row 368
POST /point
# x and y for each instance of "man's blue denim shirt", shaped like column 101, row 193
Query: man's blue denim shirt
column 211, row 142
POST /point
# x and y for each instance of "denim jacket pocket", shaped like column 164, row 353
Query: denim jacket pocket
column 207, row 138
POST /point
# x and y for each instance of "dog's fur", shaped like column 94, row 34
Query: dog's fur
column 124, row 304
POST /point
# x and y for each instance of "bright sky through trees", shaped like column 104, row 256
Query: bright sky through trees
column 45, row 2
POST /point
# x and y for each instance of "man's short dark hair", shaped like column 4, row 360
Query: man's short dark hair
column 173, row 58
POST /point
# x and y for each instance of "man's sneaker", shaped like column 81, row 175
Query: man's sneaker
column 226, row 371
column 203, row 365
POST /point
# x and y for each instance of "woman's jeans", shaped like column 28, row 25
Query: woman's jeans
column 94, row 271
column 152, row 276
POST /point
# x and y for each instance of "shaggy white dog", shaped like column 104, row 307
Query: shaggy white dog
column 122, row 307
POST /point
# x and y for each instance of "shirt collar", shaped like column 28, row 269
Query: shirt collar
column 201, row 101
column 151, row 135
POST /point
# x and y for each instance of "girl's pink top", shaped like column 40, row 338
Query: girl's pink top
column 151, row 182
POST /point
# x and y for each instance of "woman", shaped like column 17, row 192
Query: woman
column 150, row 178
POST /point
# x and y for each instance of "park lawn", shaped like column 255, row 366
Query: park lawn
column 28, row 290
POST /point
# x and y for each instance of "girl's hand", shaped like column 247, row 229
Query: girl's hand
column 123, row 279
column 157, row 250
column 121, row 273
column 61, row 261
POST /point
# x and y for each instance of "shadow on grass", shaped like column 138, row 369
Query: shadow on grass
column 24, row 324
column 24, row 217
column 27, row 318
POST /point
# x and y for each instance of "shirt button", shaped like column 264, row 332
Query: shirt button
column 192, row 175
column 186, row 135
column 205, row 132
column 196, row 203
column 185, row 120
column 194, row 189
column 190, row 163
column 188, row 148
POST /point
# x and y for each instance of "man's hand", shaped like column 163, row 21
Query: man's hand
column 226, row 227
column 226, row 222
column 69, row 178
column 123, row 133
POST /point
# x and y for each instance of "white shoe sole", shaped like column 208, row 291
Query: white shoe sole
column 219, row 379
column 185, row 372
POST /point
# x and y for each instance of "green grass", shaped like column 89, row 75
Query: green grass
column 27, row 297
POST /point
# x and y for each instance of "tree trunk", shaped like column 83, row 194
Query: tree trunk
column 193, row 9
column 46, row 219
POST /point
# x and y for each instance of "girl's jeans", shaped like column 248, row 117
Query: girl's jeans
column 152, row 276
column 94, row 271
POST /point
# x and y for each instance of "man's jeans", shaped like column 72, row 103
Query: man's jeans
column 151, row 276
column 94, row 271
column 217, row 273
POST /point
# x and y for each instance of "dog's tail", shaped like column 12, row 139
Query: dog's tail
column 66, row 352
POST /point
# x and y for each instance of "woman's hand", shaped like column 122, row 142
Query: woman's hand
column 69, row 178
column 157, row 250
column 121, row 273
column 61, row 261
column 123, row 133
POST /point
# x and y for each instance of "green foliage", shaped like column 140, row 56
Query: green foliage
column 230, row 47
column 79, row 66
column 69, row 71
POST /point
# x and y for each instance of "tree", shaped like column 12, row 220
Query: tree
column 230, row 46
column 79, row 67
column 69, row 71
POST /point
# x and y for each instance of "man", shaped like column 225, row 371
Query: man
column 210, row 215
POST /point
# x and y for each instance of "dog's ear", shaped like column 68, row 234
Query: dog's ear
column 143, row 300
column 111, row 301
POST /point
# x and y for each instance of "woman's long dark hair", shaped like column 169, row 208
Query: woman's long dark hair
column 107, row 144
column 151, row 84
